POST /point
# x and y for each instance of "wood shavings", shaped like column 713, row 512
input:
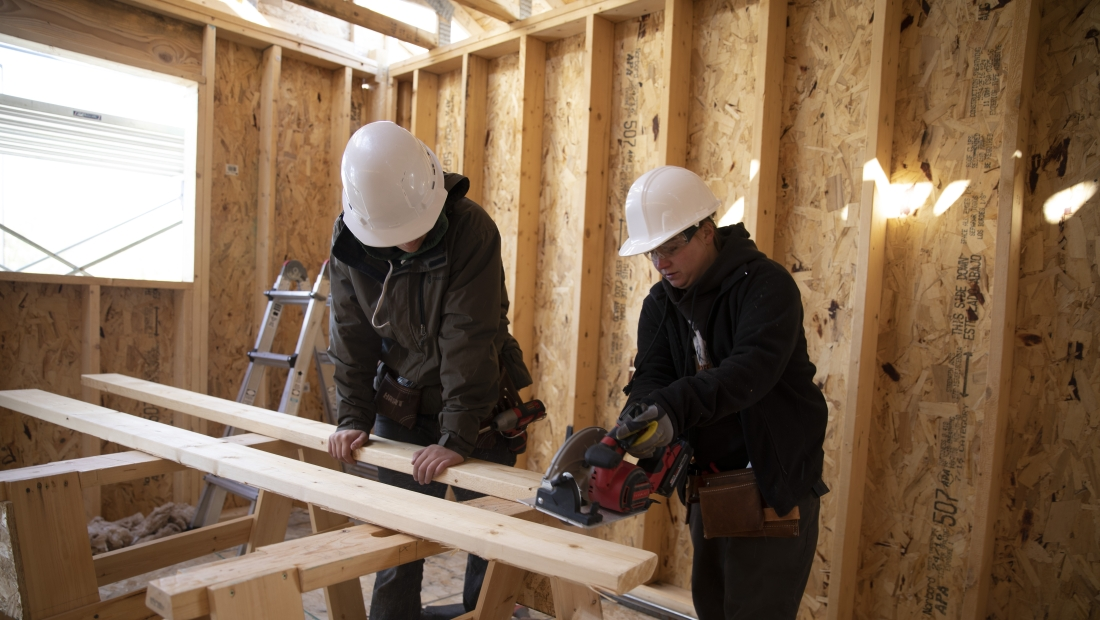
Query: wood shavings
column 559, row 235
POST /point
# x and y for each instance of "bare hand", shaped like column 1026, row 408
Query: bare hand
column 433, row 460
column 343, row 444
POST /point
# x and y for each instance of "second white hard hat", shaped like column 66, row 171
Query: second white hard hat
column 662, row 203
column 393, row 186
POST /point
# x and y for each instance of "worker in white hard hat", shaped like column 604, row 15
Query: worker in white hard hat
column 419, row 329
column 723, row 363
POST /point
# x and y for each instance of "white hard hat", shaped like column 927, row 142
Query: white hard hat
column 393, row 186
column 662, row 203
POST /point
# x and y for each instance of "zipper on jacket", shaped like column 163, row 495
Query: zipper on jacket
column 420, row 302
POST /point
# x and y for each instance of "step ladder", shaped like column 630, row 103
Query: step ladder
column 315, row 301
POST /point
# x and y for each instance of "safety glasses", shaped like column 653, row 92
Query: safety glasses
column 669, row 248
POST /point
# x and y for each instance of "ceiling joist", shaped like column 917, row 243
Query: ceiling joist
column 492, row 8
column 366, row 18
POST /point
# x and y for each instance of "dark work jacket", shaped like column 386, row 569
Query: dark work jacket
column 447, row 315
column 761, row 383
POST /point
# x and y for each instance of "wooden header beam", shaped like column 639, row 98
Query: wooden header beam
column 483, row 477
column 866, row 301
column 1004, row 290
column 235, row 28
column 492, row 8
column 366, row 18
column 541, row 549
column 549, row 26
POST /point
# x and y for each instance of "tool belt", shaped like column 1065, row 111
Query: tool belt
column 396, row 398
column 731, row 505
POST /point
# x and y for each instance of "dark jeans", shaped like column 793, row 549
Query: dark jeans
column 397, row 590
column 759, row 578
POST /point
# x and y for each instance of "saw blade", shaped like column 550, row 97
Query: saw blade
column 570, row 458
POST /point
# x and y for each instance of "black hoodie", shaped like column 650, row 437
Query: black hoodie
column 758, row 402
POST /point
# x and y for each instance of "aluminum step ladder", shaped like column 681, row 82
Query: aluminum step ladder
column 315, row 301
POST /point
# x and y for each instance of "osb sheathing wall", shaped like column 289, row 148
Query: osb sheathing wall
column 500, row 195
column 1047, row 543
column 823, row 130
column 560, row 222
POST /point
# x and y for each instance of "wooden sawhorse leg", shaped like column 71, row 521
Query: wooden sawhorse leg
column 500, row 591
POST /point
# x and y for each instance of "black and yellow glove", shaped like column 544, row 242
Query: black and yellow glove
column 642, row 428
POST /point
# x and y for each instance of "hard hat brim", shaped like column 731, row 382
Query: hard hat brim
column 633, row 247
column 391, row 237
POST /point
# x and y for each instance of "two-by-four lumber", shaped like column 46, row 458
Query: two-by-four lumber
column 866, row 303
column 1004, row 290
column 596, row 129
column 89, row 363
column 763, row 180
column 672, row 142
column 340, row 133
column 547, row 551
column 425, row 104
column 240, row 30
column 475, row 85
column 96, row 471
column 552, row 25
column 361, row 16
column 318, row 561
column 492, row 8
column 265, row 199
column 481, row 476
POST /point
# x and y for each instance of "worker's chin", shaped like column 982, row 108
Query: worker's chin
column 677, row 280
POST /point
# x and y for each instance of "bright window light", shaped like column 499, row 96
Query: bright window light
column 735, row 214
column 97, row 168
column 950, row 196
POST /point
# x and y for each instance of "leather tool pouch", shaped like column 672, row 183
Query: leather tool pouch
column 731, row 505
column 395, row 401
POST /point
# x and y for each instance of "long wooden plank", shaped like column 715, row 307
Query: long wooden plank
column 672, row 144
column 1004, row 290
column 475, row 80
column 480, row 476
column 48, row 278
column 866, row 299
column 96, row 471
column 156, row 554
column 545, row 550
column 265, row 195
column 763, row 187
column 236, row 28
column 492, row 8
column 598, row 67
column 425, row 107
column 126, row 607
column 89, row 363
column 366, row 18
column 340, row 134
column 551, row 25
column 107, row 31
column 321, row 561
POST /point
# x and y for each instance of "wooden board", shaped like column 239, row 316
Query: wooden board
column 559, row 236
column 475, row 76
column 1047, row 529
column 821, row 156
column 637, row 86
column 480, row 476
column 551, row 552
column 109, row 31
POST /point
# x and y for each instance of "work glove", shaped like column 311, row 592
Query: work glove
column 642, row 428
